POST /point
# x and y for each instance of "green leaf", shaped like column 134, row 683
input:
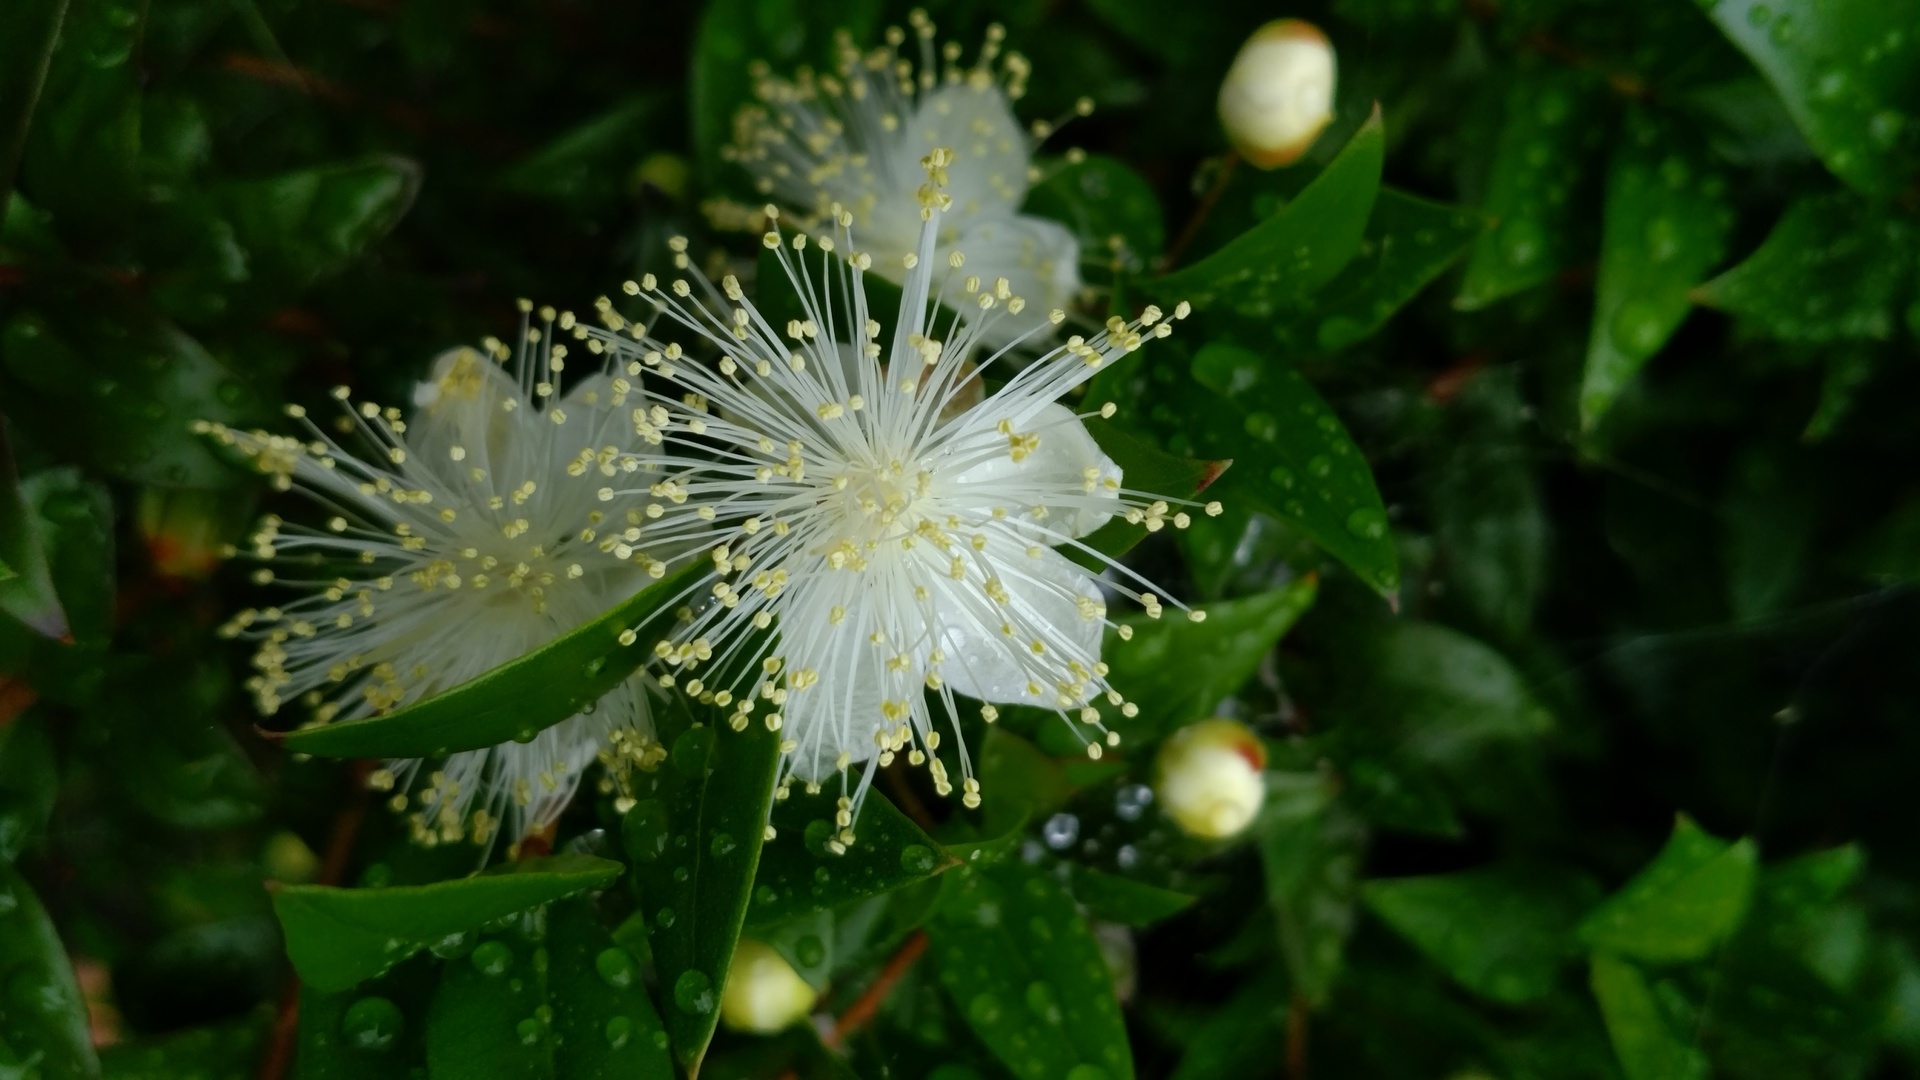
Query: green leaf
column 27, row 591
column 1112, row 898
column 339, row 937
column 1022, row 967
column 1688, row 900
column 1551, row 127
column 1502, row 932
column 1298, row 250
column 1833, row 269
column 593, row 165
column 1108, row 206
column 1145, row 467
column 798, row 874
column 44, row 1018
column 1409, row 242
column 560, row 1001
column 1312, row 867
column 519, row 698
column 228, row 1051
column 694, row 838
column 1666, row 223
column 1769, row 511
column 29, row 780
column 1643, row 1038
column 28, row 33
column 1019, row 782
column 70, row 524
column 301, row 226
column 1296, row 459
column 1238, row 1039
column 335, row 1026
column 1849, row 73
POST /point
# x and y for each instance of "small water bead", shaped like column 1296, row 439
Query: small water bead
column 1041, row 999
column 693, row 992
column 528, row 1030
column 1262, row 426
column 492, row 958
column 691, row 750
column 917, row 859
column 619, row 1030
column 1131, row 801
column 1060, row 831
column 664, row 919
column 372, row 1024
column 984, row 1010
column 1127, row 857
column 810, row 951
column 721, row 845
column 616, row 968
column 1367, row 524
column 453, row 946
column 681, row 874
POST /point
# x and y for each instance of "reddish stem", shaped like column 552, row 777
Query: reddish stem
column 862, row 1011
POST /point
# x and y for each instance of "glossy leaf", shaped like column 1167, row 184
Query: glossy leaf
column 1312, row 869
column 1689, row 899
column 1502, row 932
column 1771, row 507
column 29, row 32
column 300, row 226
column 1019, row 782
column 1849, row 73
column 1833, row 269
column 1108, row 206
column 521, row 697
column 1549, row 131
column 694, row 839
column 1666, row 223
column 1145, row 467
column 798, row 874
column 1022, row 968
column 593, row 165
column 1299, row 249
column 1296, row 459
column 1113, row 898
column 1490, row 520
column 354, row 1034
column 1408, row 243
column 29, row 780
column 1644, row 1039
column 43, row 1017
column 72, row 525
column 560, row 1001
column 228, row 1051
column 339, row 937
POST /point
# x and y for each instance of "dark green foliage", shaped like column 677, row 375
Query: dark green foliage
column 1560, row 406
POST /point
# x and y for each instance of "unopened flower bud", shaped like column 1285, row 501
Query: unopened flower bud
column 1208, row 778
column 1278, row 94
column 764, row 993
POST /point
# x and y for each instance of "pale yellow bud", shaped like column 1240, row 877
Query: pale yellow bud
column 1208, row 780
column 1278, row 94
column 764, row 993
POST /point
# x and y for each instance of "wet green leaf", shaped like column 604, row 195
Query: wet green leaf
column 229, row 1051
column 798, row 874
column 1020, row 965
column 71, row 524
column 42, row 1016
column 1489, row 514
column 1849, row 73
column 1145, row 468
column 353, row 1034
column 555, row 1001
column 1551, row 127
column 300, row 226
column 1295, row 458
column 1833, row 269
column 1644, row 1039
column 1312, row 867
column 1689, row 899
column 1408, row 243
column 1298, row 250
column 1502, row 932
column 1019, row 782
column 1770, row 509
column 1108, row 206
column 521, row 697
column 694, row 839
column 26, row 588
column 29, row 780
column 1666, row 223
column 1117, row 899
column 594, row 165
column 339, row 937
column 29, row 32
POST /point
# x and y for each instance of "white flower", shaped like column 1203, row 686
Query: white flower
column 1208, row 778
column 1278, row 94
column 457, row 541
column 856, row 139
column 907, row 543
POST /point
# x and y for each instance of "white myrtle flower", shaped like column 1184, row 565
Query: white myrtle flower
column 458, row 540
column 856, row 138
column 883, row 532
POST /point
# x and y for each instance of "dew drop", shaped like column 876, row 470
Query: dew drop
column 1367, row 524
column 693, row 992
column 1521, row 242
column 1131, row 801
column 371, row 1024
column 721, row 845
column 619, row 1030
column 452, row 947
column 1060, row 831
column 492, row 958
column 984, row 1010
column 1320, row 466
column 528, row 1030
column 615, row 967
column 665, row 918
column 1282, row 477
column 1262, row 426
column 809, row 951
column 1637, row 328
column 1041, row 999
column 644, row 832
column 916, row 859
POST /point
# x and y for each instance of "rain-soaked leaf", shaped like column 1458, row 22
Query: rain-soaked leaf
column 1489, row 513
column 1409, row 242
column 28, row 33
column 694, row 839
column 1551, row 128
column 227, row 1051
column 70, row 523
column 799, row 874
column 1295, row 458
column 1108, row 206
column 556, row 1000
column 519, row 698
column 1145, row 468
column 1834, row 269
column 29, row 780
column 1299, row 249
column 1113, row 898
column 1666, row 223
column 1502, row 932
column 300, row 226
column 592, row 167
column 1770, row 509
column 1020, row 965
column 26, row 586
column 338, row 937
column 1644, row 1038
column 1312, row 865
column 1849, row 73
column 42, row 1016
column 1689, row 899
